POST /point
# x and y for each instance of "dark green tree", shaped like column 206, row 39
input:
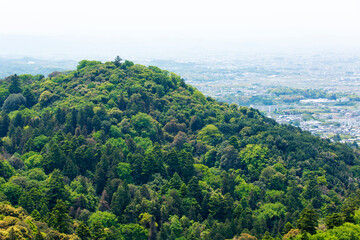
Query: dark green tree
column 70, row 170
column 120, row 199
column 96, row 123
column 234, row 142
column 15, row 86
column 308, row 220
column 55, row 188
column 227, row 183
column 101, row 174
column 83, row 231
column 117, row 61
column 334, row 220
column 58, row 218
column 288, row 226
column 196, row 123
column 175, row 182
column 97, row 230
column 30, row 97
column 187, row 161
column 4, row 124
column 195, row 190
column 55, row 157
column 173, row 162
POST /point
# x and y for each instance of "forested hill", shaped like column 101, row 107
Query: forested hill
column 118, row 150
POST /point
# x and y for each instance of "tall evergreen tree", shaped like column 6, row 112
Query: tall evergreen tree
column 59, row 218
column 56, row 188
column 4, row 124
column 308, row 220
column 15, row 84
column 101, row 174
column 83, row 231
column 30, row 98
column 120, row 199
column 55, row 158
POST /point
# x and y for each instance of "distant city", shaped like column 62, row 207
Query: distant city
column 318, row 93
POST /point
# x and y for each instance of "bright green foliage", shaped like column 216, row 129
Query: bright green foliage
column 6, row 170
column 254, row 158
column 210, row 134
column 106, row 219
column 124, row 171
column 45, row 98
column 348, row 231
column 269, row 215
column 4, row 93
column 11, row 191
column 134, row 232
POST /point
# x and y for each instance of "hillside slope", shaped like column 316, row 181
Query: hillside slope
column 132, row 152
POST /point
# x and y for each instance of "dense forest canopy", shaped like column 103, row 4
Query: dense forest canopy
column 118, row 150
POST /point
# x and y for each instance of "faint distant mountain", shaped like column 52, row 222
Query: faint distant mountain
column 33, row 66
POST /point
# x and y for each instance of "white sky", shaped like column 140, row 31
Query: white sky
column 224, row 21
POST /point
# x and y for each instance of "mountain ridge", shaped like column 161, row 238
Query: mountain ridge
column 137, row 150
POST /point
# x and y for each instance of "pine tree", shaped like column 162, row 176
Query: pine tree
column 96, row 123
column 36, row 215
column 187, row 161
column 101, row 174
column 70, row 169
column 4, row 124
column 56, row 188
column 184, row 190
column 83, row 231
column 117, row 61
column 308, row 220
column 122, row 103
column 97, row 230
column 149, row 167
column 120, row 199
column 55, row 158
column 43, row 209
column 196, row 123
column 195, row 190
column 59, row 218
column 287, row 228
column 15, row 84
column 173, row 162
column 30, row 98
column 175, row 182
column 334, row 220
column 227, row 183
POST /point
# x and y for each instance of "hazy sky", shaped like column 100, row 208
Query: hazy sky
column 95, row 27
